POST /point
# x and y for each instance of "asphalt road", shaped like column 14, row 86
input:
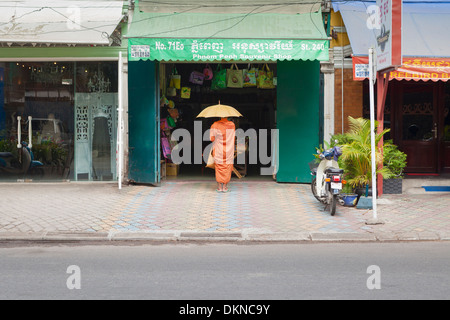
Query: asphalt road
column 418, row 270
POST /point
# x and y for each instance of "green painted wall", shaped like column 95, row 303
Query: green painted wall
column 298, row 107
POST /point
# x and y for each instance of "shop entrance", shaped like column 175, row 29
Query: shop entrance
column 418, row 120
column 258, row 107
column 291, row 109
column 417, row 113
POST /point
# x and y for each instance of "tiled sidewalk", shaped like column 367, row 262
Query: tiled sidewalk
column 261, row 206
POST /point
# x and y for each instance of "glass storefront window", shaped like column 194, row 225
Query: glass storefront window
column 38, row 106
column 96, row 120
column 36, row 96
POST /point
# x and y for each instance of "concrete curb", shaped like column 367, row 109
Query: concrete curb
column 214, row 237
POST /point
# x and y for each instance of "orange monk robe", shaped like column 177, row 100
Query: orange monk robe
column 222, row 133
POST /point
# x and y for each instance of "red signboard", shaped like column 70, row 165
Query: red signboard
column 425, row 69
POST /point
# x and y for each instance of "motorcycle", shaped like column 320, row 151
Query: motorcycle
column 23, row 166
column 326, row 184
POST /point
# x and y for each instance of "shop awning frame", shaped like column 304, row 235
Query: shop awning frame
column 58, row 22
column 231, row 6
column 261, row 22
column 226, row 49
column 249, row 36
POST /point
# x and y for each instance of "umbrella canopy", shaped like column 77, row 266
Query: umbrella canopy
column 220, row 111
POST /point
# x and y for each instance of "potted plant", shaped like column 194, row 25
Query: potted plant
column 395, row 161
column 8, row 146
column 356, row 155
column 52, row 155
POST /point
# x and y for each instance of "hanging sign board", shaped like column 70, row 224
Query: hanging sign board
column 389, row 34
column 166, row 49
column 425, row 69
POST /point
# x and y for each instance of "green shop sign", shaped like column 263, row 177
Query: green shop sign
column 165, row 49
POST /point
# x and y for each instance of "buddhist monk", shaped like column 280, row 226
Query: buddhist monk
column 222, row 134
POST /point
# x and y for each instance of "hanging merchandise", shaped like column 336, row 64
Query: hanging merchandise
column 185, row 92
column 171, row 92
column 171, row 104
column 173, row 113
column 165, row 145
column 164, row 125
column 234, row 77
column 196, row 77
column 171, row 122
column 250, row 74
column 175, row 79
column 265, row 78
column 208, row 73
column 219, row 80
column 164, row 101
column 173, row 143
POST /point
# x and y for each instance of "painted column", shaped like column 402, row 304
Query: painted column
column 327, row 68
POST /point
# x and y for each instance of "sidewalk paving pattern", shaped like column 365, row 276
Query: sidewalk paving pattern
column 252, row 210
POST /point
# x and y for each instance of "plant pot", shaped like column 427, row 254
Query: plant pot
column 362, row 192
column 392, row 186
column 350, row 199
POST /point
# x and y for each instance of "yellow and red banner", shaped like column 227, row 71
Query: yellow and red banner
column 425, row 69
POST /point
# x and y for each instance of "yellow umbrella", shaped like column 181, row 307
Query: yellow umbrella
column 219, row 111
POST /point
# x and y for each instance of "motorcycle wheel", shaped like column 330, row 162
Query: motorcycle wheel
column 313, row 188
column 332, row 204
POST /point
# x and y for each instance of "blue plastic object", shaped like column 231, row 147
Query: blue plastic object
column 364, row 203
column 350, row 199
column 437, row 188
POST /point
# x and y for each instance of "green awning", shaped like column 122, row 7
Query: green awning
column 226, row 49
column 192, row 36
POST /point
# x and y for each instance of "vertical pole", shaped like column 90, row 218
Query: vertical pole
column 120, row 122
column 342, row 82
column 30, row 132
column 382, row 87
column 19, row 132
column 372, row 133
column 342, row 92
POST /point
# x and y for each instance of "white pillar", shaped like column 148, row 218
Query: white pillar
column 327, row 68
column 120, row 126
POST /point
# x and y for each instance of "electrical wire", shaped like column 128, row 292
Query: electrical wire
column 242, row 18
column 104, row 34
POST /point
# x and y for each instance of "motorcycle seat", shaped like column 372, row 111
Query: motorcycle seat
column 334, row 171
column 6, row 155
